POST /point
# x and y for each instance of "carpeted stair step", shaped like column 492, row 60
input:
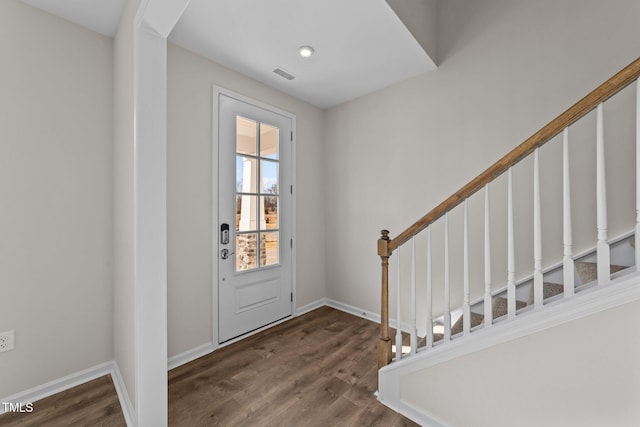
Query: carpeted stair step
column 476, row 319
column 548, row 290
column 588, row 271
column 500, row 307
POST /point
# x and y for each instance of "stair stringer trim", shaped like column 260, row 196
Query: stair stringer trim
column 619, row 292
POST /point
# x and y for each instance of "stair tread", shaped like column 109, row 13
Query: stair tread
column 501, row 304
column 458, row 327
column 548, row 290
column 588, row 271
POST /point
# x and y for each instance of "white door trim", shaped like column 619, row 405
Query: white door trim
column 217, row 92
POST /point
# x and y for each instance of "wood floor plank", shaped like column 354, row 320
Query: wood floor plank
column 318, row 369
column 94, row 403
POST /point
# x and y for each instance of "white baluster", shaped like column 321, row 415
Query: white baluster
column 637, row 235
column 511, row 256
column 466, row 307
column 602, row 247
column 537, row 235
column 398, row 317
column 429, row 292
column 488, row 316
column 567, row 260
column 447, row 284
column 414, row 327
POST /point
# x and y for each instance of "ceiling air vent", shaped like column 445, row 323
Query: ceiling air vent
column 282, row 73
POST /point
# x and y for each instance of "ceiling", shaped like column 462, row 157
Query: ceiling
column 360, row 45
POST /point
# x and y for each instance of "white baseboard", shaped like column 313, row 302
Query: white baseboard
column 123, row 396
column 72, row 380
column 366, row 314
column 356, row 311
column 310, row 307
column 189, row 355
column 61, row 384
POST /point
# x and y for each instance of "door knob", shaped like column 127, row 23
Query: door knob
column 225, row 254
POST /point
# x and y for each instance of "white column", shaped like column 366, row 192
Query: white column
column 153, row 22
column 488, row 316
column 567, row 259
column 602, row 246
column 538, row 295
column 249, row 210
column 511, row 263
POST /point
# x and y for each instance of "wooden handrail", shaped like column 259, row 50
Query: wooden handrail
column 386, row 246
column 605, row 91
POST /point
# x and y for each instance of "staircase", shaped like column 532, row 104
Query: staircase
column 587, row 273
column 446, row 318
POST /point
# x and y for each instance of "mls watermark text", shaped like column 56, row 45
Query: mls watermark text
column 23, row 407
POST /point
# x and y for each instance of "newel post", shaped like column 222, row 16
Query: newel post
column 384, row 343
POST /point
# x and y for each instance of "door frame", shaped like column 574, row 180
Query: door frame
column 215, row 144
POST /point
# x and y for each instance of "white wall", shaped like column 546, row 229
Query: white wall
column 190, row 177
column 506, row 69
column 123, row 201
column 591, row 379
column 56, row 221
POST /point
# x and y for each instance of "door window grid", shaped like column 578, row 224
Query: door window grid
column 257, row 195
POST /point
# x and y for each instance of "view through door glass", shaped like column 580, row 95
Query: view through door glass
column 257, row 194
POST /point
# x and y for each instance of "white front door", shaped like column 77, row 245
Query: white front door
column 255, row 217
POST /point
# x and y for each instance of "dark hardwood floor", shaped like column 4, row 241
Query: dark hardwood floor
column 94, row 403
column 318, row 369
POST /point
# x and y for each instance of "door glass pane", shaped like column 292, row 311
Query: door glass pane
column 269, row 245
column 269, row 212
column 269, row 136
column 257, row 194
column 246, row 212
column 269, row 178
column 246, row 174
column 246, row 131
column 246, row 253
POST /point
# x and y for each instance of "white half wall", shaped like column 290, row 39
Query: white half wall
column 56, row 220
column 192, row 266
column 582, row 373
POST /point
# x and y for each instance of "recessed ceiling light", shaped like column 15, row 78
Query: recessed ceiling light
column 305, row 51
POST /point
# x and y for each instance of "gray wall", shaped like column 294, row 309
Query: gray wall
column 506, row 69
column 190, row 177
column 56, row 222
